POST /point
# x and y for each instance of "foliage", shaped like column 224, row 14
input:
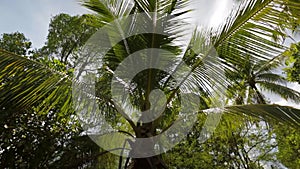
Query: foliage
column 293, row 63
column 16, row 42
column 66, row 35
column 288, row 145
column 238, row 142
column 36, row 136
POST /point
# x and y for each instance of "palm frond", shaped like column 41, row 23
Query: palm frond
column 103, row 11
column 267, row 66
column 162, row 7
column 26, row 83
column 283, row 91
column 251, row 34
column 271, row 77
column 283, row 114
column 255, row 28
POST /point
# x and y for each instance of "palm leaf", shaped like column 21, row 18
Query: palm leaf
column 267, row 66
column 255, row 28
column 283, row 114
column 283, row 91
column 271, row 77
column 161, row 7
column 26, row 83
column 252, row 33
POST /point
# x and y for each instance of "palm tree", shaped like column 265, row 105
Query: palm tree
column 250, row 77
column 254, row 28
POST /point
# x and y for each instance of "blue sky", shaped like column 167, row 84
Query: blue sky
column 32, row 18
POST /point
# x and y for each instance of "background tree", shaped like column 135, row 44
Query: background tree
column 287, row 137
column 293, row 63
column 288, row 146
column 253, row 78
column 66, row 35
column 238, row 142
column 16, row 43
column 44, row 138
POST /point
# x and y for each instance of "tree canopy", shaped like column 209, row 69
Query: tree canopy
column 16, row 43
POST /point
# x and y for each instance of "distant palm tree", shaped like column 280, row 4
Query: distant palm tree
column 250, row 78
column 248, row 30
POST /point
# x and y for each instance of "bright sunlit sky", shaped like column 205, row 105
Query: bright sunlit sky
column 32, row 18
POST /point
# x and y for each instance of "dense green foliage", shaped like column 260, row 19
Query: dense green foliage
column 16, row 43
column 288, row 145
column 45, row 138
column 238, row 142
column 66, row 35
column 293, row 63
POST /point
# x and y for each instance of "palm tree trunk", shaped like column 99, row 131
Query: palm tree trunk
column 154, row 162
column 260, row 97
column 144, row 130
